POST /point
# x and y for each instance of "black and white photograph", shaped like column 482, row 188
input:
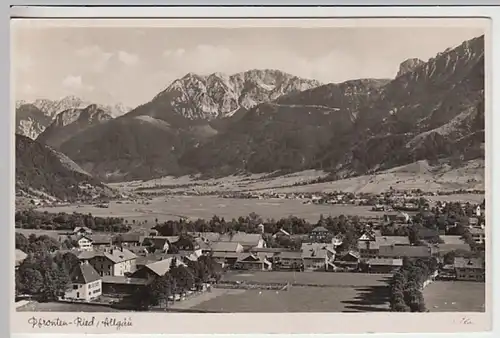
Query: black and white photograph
column 249, row 169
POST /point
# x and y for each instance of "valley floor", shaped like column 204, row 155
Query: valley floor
column 205, row 207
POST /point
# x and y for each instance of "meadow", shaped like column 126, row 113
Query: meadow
column 346, row 292
column 455, row 296
column 205, row 207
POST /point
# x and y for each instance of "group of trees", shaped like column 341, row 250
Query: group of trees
column 42, row 275
column 350, row 227
column 406, row 285
column 31, row 219
column 34, row 244
column 176, row 281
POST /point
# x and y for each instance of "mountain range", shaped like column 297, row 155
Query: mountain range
column 32, row 118
column 267, row 120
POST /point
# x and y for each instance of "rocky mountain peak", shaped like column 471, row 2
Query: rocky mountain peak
column 409, row 65
column 218, row 95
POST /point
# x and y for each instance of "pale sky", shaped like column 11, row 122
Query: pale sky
column 129, row 65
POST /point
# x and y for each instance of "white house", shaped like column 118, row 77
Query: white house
column 86, row 283
column 85, row 243
column 111, row 261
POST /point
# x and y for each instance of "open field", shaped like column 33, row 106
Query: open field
column 348, row 292
column 418, row 175
column 471, row 198
column 323, row 278
column 207, row 206
column 38, row 232
column 51, row 233
column 455, row 296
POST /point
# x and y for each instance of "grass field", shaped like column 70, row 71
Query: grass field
column 206, row 206
column 455, row 296
column 323, row 278
column 38, row 232
column 348, row 292
column 417, row 175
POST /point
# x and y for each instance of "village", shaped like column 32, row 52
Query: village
column 109, row 268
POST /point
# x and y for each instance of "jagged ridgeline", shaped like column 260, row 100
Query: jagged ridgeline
column 267, row 120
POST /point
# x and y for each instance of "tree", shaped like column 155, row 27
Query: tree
column 67, row 261
column 21, row 242
column 28, row 280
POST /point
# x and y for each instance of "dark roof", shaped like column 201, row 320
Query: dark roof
column 131, row 237
column 384, row 240
column 405, row 251
column 84, row 273
column 444, row 248
column 123, row 280
column 290, row 254
column 101, row 239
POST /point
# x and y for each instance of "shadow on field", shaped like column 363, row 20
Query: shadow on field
column 369, row 299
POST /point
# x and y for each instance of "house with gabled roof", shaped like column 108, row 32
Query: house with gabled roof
column 85, row 283
column 289, row 260
column 101, row 241
column 478, row 235
column 114, row 261
column 319, row 234
column 160, row 243
column 85, row 242
column 158, row 268
column 248, row 241
column 317, row 256
column 470, row 269
column 370, row 247
column 347, row 260
column 410, row 251
column 226, row 247
column 281, row 233
column 250, row 261
column 131, row 238
column 383, row 265
column 82, row 231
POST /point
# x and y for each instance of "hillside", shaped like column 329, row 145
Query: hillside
column 432, row 111
column 267, row 121
column 42, row 171
column 149, row 140
column 31, row 121
column 71, row 122
column 126, row 148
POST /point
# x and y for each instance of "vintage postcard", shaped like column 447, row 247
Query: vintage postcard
column 258, row 176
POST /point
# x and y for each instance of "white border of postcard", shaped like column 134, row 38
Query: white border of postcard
column 305, row 323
